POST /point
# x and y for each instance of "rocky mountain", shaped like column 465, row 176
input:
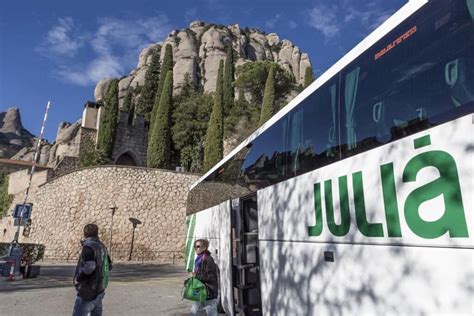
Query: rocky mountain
column 13, row 136
column 18, row 143
column 66, row 144
column 198, row 49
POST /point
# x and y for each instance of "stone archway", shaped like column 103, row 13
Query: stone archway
column 126, row 159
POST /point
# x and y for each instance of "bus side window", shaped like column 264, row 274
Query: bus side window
column 350, row 95
column 470, row 7
column 418, row 84
column 312, row 137
column 460, row 81
column 379, row 117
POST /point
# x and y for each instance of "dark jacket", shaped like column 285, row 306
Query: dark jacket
column 208, row 275
column 89, row 276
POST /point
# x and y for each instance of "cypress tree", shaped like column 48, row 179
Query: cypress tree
column 228, row 90
column 128, row 106
column 214, row 146
column 308, row 76
column 165, row 68
column 147, row 97
column 159, row 144
column 108, row 120
column 268, row 105
column 127, row 102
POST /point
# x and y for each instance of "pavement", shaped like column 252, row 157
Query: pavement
column 134, row 289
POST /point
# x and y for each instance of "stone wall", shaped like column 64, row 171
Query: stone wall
column 131, row 139
column 66, row 165
column 62, row 206
column 18, row 181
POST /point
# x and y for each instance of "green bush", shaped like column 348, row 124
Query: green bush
column 5, row 198
column 308, row 76
column 190, row 119
column 89, row 156
column 251, row 77
column 31, row 252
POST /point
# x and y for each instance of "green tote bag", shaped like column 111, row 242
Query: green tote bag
column 194, row 290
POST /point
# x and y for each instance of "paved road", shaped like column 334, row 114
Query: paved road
column 134, row 289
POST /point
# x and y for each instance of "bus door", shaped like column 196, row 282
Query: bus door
column 245, row 253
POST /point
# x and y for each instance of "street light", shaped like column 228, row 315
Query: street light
column 113, row 208
column 135, row 222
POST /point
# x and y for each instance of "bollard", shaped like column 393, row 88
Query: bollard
column 11, row 277
column 25, row 275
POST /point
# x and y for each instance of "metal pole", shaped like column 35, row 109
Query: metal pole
column 114, row 208
column 131, row 246
column 35, row 159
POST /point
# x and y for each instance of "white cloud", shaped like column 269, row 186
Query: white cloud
column 112, row 48
column 273, row 21
column 344, row 14
column 280, row 19
column 292, row 24
column 324, row 19
column 190, row 14
column 62, row 40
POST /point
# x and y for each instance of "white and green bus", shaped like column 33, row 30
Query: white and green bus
column 357, row 197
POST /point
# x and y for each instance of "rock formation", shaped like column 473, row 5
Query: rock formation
column 197, row 51
column 13, row 136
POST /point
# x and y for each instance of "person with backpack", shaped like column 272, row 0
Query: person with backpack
column 205, row 269
column 92, row 274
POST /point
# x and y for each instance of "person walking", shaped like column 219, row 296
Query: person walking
column 92, row 274
column 205, row 270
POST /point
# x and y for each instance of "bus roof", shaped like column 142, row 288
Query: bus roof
column 404, row 12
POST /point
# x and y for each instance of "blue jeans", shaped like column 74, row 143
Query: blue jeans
column 83, row 307
column 210, row 306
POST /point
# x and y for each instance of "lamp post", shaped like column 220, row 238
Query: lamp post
column 113, row 208
column 135, row 222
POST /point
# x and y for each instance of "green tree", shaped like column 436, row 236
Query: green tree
column 166, row 67
column 191, row 117
column 252, row 76
column 129, row 106
column 268, row 106
column 90, row 156
column 148, row 91
column 228, row 90
column 214, row 147
column 5, row 198
column 108, row 120
column 159, row 145
column 308, row 76
column 242, row 119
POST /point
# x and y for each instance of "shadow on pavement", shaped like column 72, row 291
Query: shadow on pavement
column 60, row 275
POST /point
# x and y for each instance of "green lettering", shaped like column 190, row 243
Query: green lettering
column 366, row 228
column 453, row 219
column 390, row 200
column 318, row 227
column 343, row 228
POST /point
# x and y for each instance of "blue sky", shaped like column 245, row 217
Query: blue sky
column 59, row 49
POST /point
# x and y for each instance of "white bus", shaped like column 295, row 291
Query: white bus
column 357, row 197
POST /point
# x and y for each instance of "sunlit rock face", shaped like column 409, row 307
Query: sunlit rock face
column 198, row 49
